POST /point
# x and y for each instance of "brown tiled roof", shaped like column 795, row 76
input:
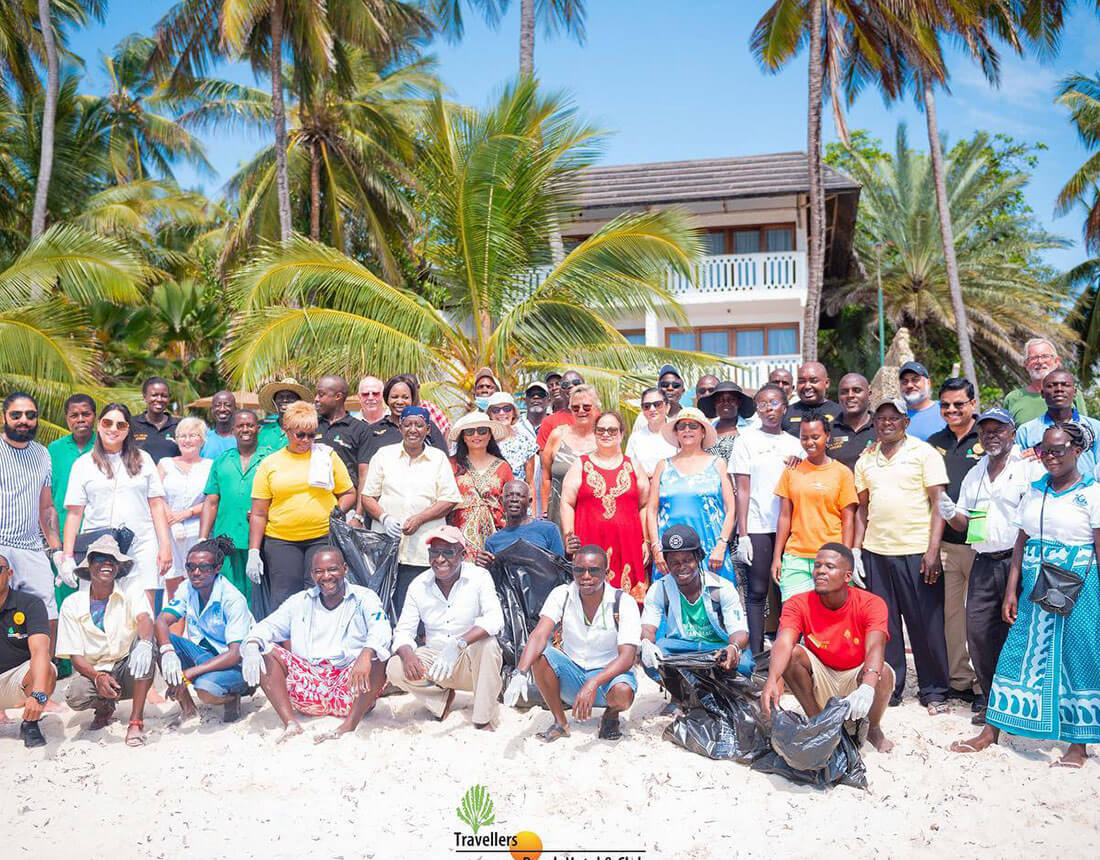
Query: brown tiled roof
column 703, row 179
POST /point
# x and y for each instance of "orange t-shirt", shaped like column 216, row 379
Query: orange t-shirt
column 818, row 494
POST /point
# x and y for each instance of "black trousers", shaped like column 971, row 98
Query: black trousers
column 406, row 573
column 897, row 580
column 985, row 628
column 756, row 593
column 286, row 567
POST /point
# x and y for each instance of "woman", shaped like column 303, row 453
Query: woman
column 565, row 444
column 481, row 473
column 292, row 496
column 184, row 479
column 603, row 502
column 1047, row 683
column 647, row 446
column 114, row 485
column 400, row 392
column 693, row 489
column 728, row 403
column 817, row 505
column 519, row 449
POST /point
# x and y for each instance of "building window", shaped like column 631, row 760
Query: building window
column 684, row 340
column 783, row 341
column 714, row 342
column 635, row 336
column 750, row 341
column 779, row 239
column 748, row 240
column 733, row 341
column 714, row 243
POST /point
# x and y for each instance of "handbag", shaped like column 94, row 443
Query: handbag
column 1056, row 589
column 123, row 535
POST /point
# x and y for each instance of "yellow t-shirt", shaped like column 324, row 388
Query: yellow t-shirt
column 298, row 511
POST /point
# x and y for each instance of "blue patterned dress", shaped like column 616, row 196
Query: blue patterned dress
column 696, row 501
column 1047, row 683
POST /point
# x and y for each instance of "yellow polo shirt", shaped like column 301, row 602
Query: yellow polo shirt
column 298, row 511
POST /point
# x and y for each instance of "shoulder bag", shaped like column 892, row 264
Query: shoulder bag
column 1056, row 588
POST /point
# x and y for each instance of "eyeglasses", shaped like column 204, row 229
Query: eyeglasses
column 29, row 414
column 591, row 571
column 188, row 436
column 670, row 384
column 946, row 404
column 607, row 431
column 303, row 434
column 363, row 394
column 581, row 407
column 653, row 404
column 687, row 425
column 1047, row 356
column 476, row 431
column 442, row 553
column 192, row 566
column 703, row 392
column 768, row 404
column 1055, row 451
column 108, row 424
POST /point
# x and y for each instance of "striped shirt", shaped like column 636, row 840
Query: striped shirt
column 23, row 474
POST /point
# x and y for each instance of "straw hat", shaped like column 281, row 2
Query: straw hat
column 105, row 545
column 267, row 394
column 478, row 419
column 690, row 413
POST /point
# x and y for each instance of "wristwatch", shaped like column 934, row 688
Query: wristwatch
column 40, row 697
column 462, row 643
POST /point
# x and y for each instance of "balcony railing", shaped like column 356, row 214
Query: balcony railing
column 771, row 273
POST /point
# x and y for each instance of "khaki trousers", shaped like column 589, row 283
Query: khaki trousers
column 477, row 672
column 958, row 559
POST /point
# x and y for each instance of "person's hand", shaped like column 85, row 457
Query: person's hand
column 777, row 570
column 414, row 668
column 444, row 664
column 170, row 667
column 860, row 701
column 572, row 543
column 164, row 559
column 744, row 549
column 178, row 517
column 254, row 568
column 769, row 697
column 1009, row 607
column 947, row 508
column 858, row 573
column 647, row 555
column 931, row 567
column 659, row 562
column 792, row 461
column 729, row 658
column 717, row 557
column 517, row 689
column 651, row 654
column 392, row 526
column 359, row 676
column 141, row 658
column 355, row 517
column 412, row 524
column 32, row 709
column 66, row 570
column 106, row 686
column 582, row 705
column 483, row 558
column 252, row 662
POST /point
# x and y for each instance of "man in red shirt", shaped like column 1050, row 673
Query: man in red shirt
column 832, row 642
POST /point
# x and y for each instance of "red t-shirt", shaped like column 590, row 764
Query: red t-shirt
column 837, row 637
column 554, row 419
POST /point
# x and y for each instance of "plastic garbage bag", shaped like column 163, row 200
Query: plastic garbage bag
column 371, row 558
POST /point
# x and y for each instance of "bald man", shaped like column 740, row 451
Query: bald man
column 811, row 385
column 853, row 429
column 347, row 436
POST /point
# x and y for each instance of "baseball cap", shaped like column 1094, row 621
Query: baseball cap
column 680, row 539
column 914, row 366
column 668, row 368
column 896, row 402
column 536, row 386
column 997, row 414
column 447, row 534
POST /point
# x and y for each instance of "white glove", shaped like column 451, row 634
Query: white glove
column 857, row 568
column 252, row 663
column 393, row 526
column 444, row 664
column 744, row 549
column 66, row 569
column 141, row 658
column 517, row 689
column 859, row 702
column 254, row 568
column 171, row 668
column 651, row 654
column 948, row 508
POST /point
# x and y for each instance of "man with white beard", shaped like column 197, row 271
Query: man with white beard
column 1026, row 402
column 916, row 390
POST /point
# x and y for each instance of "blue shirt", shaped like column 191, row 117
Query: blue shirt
column 924, row 422
column 539, row 532
column 216, row 445
column 1030, row 434
column 224, row 619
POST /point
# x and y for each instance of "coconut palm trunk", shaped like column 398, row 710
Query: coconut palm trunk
column 527, row 37
column 950, row 263
column 816, row 274
column 49, row 119
column 278, row 115
column 315, row 191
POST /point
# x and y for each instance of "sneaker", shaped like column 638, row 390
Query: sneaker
column 31, row 734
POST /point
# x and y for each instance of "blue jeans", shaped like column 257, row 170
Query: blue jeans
column 221, row 682
column 572, row 677
column 675, row 645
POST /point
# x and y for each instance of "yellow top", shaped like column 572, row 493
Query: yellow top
column 298, row 511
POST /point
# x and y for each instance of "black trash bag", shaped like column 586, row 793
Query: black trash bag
column 720, row 708
column 815, row 751
column 371, row 558
column 261, row 599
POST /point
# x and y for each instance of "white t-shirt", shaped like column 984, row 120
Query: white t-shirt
column 1070, row 516
column 999, row 498
column 763, row 457
column 593, row 646
column 121, row 500
column 648, row 448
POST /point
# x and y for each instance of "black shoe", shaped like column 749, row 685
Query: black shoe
column 960, row 695
column 895, row 701
column 31, row 734
column 979, row 703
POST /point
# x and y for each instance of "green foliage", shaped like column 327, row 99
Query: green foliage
column 477, row 808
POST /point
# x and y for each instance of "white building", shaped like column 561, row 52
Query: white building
column 750, row 289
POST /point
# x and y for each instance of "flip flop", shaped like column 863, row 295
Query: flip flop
column 138, row 740
column 1072, row 765
column 609, row 729
column 555, row 732
column 937, row 708
column 963, row 747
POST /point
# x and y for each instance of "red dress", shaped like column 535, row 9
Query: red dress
column 607, row 515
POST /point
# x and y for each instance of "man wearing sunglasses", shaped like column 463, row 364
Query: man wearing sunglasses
column 458, row 605
column 672, row 387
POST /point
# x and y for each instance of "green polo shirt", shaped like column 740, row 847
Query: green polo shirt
column 234, row 490
column 63, row 453
column 271, row 437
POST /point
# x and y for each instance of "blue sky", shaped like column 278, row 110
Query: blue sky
column 675, row 80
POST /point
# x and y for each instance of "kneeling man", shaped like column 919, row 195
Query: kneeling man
column 843, row 633
column 340, row 638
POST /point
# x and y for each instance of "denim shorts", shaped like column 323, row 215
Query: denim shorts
column 222, row 682
column 572, row 677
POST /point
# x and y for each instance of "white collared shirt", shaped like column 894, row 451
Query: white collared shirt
column 593, row 646
column 473, row 602
column 999, row 497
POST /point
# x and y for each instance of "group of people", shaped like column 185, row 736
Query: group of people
column 827, row 531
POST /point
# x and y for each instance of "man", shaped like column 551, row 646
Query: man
column 208, row 655
column 916, row 391
column 155, row 429
column 340, row 640
column 813, row 383
column 986, row 512
column 275, row 397
column 347, row 436
column 853, row 431
column 27, row 676
column 229, row 497
column 561, row 414
column 485, row 386
column 458, row 606
column 108, row 636
column 695, row 619
column 831, row 642
column 782, row 377
column 515, row 498
column 553, row 387
column 705, row 385
column 1059, row 392
column 594, row 668
column 1026, row 402
column 672, row 387
column 27, row 512
column 961, row 449
column 222, row 406
column 371, row 405
column 536, row 397
column 899, row 481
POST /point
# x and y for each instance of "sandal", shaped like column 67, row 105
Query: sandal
column 137, row 740
column 609, row 728
column 555, row 732
column 937, row 708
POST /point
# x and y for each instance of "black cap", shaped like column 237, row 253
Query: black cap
column 553, row 374
column 680, row 539
column 914, row 366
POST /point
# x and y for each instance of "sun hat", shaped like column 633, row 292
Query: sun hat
column 105, row 545
column 745, row 406
column 478, row 419
column 690, row 413
column 447, row 534
column 266, row 395
column 501, row 398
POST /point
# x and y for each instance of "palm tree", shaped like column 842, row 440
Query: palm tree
column 1081, row 94
column 1007, row 294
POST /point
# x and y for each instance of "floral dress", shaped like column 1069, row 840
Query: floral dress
column 606, row 514
column 480, row 513
column 517, row 450
column 696, row 501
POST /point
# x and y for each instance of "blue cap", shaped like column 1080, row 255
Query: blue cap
column 997, row 414
column 916, row 367
column 668, row 368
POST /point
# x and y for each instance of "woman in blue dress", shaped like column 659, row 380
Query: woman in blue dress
column 1047, row 683
column 693, row 489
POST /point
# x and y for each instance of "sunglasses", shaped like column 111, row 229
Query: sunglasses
column 192, row 566
column 565, row 385
column 476, row 431
column 108, row 424
column 499, row 410
column 703, row 392
column 607, row 431
column 303, row 434
column 443, row 553
column 581, row 407
column 946, row 404
column 1056, row 451
column 29, row 414
column 363, row 394
column 591, row 571
column 653, row 404
column 687, row 425
column 671, row 384
column 96, row 558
